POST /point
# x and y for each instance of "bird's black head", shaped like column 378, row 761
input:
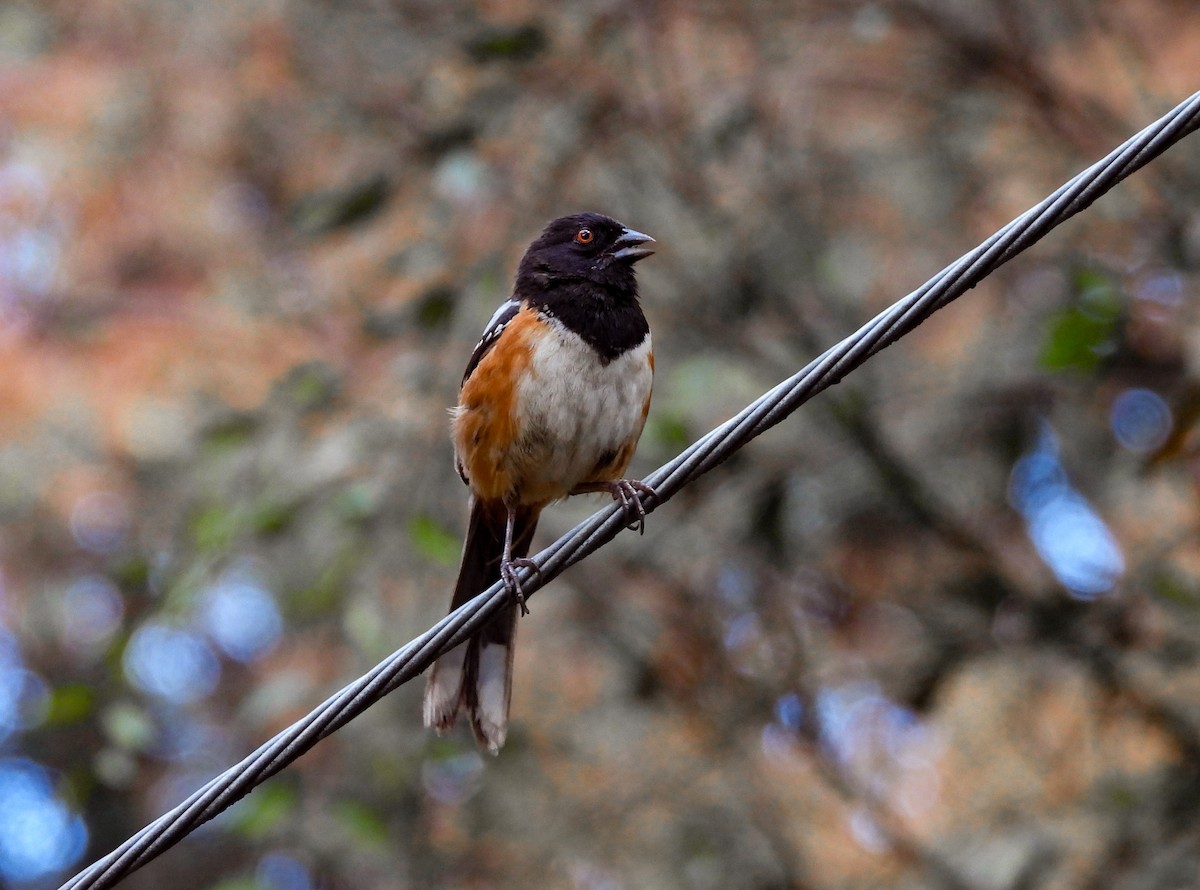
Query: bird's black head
column 584, row 247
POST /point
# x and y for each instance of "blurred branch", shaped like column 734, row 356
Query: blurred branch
column 900, row 842
column 1174, row 801
column 853, row 415
column 1013, row 59
column 668, row 480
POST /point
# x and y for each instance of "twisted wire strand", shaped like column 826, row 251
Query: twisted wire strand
column 703, row 455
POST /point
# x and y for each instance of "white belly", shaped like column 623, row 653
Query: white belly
column 575, row 410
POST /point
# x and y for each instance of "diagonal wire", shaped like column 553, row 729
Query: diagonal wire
column 702, row 456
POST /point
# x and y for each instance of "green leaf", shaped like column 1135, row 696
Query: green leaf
column 1174, row 589
column 311, row 386
column 433, row 540
column 132, row 572
column 230, row 432
column 325, row 592
column 257, row 816
column 363, row 824
column 1077, row 342
column 242, row 883
column 1080, row 337
column 669, row 431
column 518, row 43
column 1097, row 294
column 69, row 703
column 215, row 528
column 271, row 517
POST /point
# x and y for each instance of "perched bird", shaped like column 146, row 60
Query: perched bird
column 552, row 403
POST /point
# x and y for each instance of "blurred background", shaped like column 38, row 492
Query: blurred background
column 939, row 629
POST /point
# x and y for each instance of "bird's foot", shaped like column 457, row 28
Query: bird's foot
column 508, row 574
column 630, row 492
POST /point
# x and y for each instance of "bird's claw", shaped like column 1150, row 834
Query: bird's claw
column 629, row 492
column 508, row 574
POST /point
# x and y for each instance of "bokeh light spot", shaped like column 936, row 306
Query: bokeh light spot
column 866, row 832
column 453, row 780
column 1067, row 533
column 23, row 694
column 742, row 631
column 30, row 244
column 240, row 616
column 99, row 521
column 778, row 744
column 1141, row 420
column 10, row 652
column 171, row 664
column 1165, row 288
column 1077, row 546
column 39, row 835
column 461, row 176
column 91, row 612
column 279, row 871
column 789, row 711
column 23, row 700
column 880, row 744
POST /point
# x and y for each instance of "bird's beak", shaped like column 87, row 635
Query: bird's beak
column 630, row 246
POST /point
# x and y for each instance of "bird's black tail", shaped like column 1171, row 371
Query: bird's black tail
column 476, row 676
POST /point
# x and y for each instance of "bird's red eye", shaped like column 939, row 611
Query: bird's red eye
column 584, row 236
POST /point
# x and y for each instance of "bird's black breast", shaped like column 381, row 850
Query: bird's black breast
column 611, row 326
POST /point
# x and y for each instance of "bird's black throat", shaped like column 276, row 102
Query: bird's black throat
column 611, row 323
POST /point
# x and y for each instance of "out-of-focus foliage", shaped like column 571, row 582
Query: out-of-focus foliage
column 941, row 629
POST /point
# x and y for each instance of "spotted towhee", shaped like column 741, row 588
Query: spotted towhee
column 552, row 403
